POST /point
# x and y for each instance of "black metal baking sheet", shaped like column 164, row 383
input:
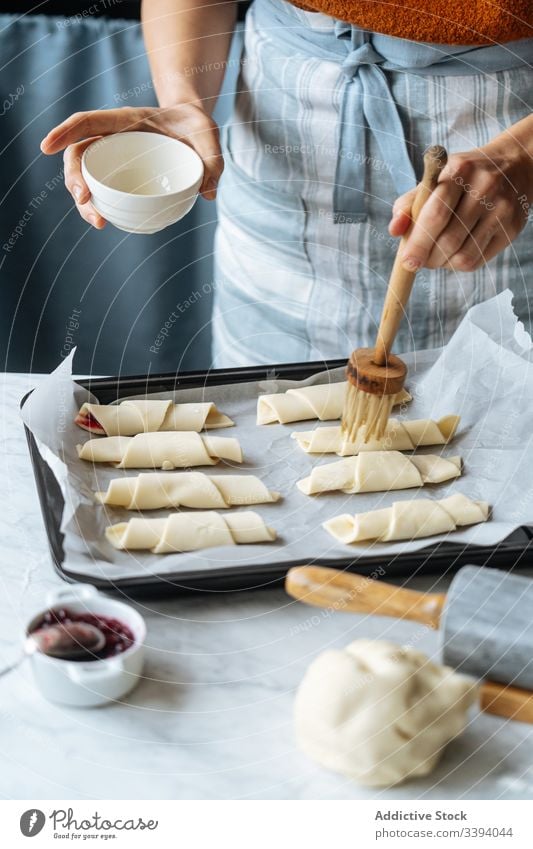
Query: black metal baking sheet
column 515, row 552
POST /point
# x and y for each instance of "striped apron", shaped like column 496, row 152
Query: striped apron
column 329, row 127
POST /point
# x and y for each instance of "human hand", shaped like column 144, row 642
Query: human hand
column 187, row 122
column 480, row 205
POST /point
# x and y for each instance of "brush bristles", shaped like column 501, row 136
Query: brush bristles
column 362, row 409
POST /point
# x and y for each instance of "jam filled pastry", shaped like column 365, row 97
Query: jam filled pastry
column 177, row 450
column 409, row 520
column 380, row 471
column 399, row 436
column 324, row 402
column 156, row 490
column 132, row 417
column 189, row 532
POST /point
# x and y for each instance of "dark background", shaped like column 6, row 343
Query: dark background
column 126, row 9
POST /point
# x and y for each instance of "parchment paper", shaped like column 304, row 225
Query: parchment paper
column 485, row 374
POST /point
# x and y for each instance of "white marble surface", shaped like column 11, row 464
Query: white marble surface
column 212, row 718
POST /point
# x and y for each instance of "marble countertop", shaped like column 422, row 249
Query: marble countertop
column 212, row 719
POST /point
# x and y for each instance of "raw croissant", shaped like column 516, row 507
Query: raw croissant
column 399, row 436
column 189, row 532
column 380, row 471
column 324, row 402
column 409, row 520
column 176, row 450
column 132, row 417
column 154, row 490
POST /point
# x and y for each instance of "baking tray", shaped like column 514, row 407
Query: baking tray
column 515, row 552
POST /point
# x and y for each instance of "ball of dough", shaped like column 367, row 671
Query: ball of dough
column 380, row 713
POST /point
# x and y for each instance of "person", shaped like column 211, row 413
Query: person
column 335, row 105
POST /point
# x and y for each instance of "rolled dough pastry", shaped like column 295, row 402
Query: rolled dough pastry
column 399, row 436
column 380, row 713
column 132, row 417
column 380, row 471
column 324, row 402
column 189, row 532
column 409, row 520
column 176, row 450
column 155, row 490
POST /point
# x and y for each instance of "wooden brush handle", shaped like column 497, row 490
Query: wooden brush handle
column 401, row 281
column 344, row 591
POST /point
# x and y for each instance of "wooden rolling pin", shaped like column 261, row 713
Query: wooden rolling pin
column 486, row 621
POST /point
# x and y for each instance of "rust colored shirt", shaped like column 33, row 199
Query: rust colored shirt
column 437, row 21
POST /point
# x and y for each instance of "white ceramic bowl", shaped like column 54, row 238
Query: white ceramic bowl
column 142, row 182
column 91, row 683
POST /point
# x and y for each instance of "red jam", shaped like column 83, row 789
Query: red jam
column 118, row 637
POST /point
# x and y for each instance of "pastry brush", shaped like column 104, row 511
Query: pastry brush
column 374, row 375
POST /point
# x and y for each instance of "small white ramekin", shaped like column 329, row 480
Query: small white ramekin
column 91, row 683
column 142, row 182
